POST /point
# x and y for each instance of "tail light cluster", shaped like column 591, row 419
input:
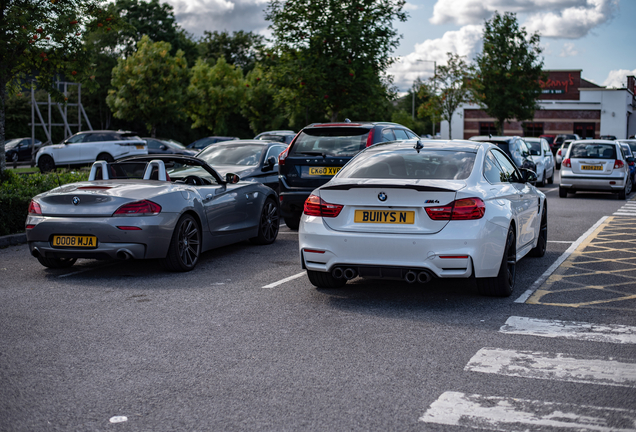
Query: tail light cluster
column 316, row 206
column 618, row 164
column 559, row 152
column 567, row 163
column 139, row 208
column 370, row 138
column 34, row 208
column 283, row 155
column 462, row 209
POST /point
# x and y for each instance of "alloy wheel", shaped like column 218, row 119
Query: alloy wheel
column 269, row 221
column 189, row 242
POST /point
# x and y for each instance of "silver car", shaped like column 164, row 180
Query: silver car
column 170, row 207
column 595, row 165
column 544, row 159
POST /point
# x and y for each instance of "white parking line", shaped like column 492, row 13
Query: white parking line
column 282, row 281
column 526, row 295
column 512, row 414
column 553, row 366
column 612, row 333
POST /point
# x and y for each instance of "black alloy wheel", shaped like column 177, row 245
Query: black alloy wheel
column 269, row 223
column 503, row 284
column 542, row 243
column 185, row 246
column 46, row 163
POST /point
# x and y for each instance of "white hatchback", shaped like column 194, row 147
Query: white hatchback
column 417, row 210
column 90, row 146
column 543, row 158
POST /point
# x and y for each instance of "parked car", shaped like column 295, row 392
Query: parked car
column 254, row 160
column 159, row 146
column 513, row 146
column 19, row 149
column 631, row 143
column 608, row 137
column 283, row 136
column 543, row 158
column 87, row 147
column 318, row 152
column 629, row 157
column 595, row 165
column 561, row 138
column 550, row 139
column 135, row 209
column 558, row 158
column 202, row 143
column 415, row 211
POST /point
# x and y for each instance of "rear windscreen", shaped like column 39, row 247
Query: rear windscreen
column 593, row 151
column 330, row 142
column 127, row 170
column 408, row 164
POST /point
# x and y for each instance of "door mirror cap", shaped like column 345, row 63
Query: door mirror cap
column 270, row 163
column 232, row 178
column 163, row 147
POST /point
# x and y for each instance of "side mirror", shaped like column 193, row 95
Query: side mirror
column 528, row 176
column 163, row 147
column 270, row 163
column 232, row 178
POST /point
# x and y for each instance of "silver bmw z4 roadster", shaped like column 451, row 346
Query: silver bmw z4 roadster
column 169, row 207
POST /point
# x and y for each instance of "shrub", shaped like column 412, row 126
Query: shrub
column 17, row 190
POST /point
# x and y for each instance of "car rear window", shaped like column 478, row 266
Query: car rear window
column 408, row 164
column 593, row 151
column 330, row 141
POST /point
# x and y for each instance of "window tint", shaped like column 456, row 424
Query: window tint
column 388, row 135
column 400, row 134
column 411, row 135
column 593, row 151
column 153, row 144
column 535, row 148
column 274, row 151
column 492, row 170
column 407, row 164
column 76, row 138
column 99, row 137
column 510, row 172
column 330, row 142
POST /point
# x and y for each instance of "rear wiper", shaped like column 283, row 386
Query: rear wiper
column 314, row 153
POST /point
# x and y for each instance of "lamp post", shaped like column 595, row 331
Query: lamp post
column 434, row 90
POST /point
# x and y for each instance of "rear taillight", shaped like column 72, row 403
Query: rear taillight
column 283, row 155
column 34, row 208
column 462, row 209
column 316, row 206
column 618, row 164
column 559, row 152
column 139, row 208
column 567, row 163
column 370, row 138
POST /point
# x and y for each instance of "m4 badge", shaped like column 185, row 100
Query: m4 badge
column 431, row 202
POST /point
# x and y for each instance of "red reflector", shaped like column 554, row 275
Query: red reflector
column 618, row 164
column 314, row 251
column 138, row 208
column 129, row 228
column 30, row 226
column 462, row 209
column 316, row 206
column 34, row 208
column 454, row 256
column 567, row 163
column 612, row 182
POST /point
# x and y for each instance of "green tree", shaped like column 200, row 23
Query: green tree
column 41, row 40
column 448, row 88
column 260, row 108
column 149, row 85
column 332, row 52
column 508, row 70
column 242, row 49
column 215, row 93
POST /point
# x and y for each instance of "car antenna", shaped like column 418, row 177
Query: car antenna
column 418, row 146
column 489, row 136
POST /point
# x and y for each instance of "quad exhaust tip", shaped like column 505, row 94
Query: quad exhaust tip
column 350, row 273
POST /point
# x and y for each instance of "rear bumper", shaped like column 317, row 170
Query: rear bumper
column 292, row 202
column 592, row 183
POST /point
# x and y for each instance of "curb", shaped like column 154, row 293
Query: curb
column 12, row 240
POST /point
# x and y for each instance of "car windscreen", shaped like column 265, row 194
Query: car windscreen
column 408, row 164
column 330, row 141
column 534, row 147
column 592, row 151
column 127, row 170
column 173, row 145
column 12, row 143
column 232, row 154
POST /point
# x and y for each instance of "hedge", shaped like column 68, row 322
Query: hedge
column 16, row 191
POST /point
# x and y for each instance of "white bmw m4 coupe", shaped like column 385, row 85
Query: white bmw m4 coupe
column 418, row 210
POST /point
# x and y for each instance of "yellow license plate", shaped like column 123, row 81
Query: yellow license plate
column 140, row 147
column 592, row 167
column 324, row 171
column 384, row 216
column 74, row 241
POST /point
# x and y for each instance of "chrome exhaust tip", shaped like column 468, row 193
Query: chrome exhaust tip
column 350, row 273
column 337, row 273
column 124, row 254
column 424, row 277
column 410, row 277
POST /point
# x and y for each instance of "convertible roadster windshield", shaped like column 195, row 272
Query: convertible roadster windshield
column 232, row 154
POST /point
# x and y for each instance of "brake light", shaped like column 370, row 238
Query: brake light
column 559, row 152
column 618, row 164
column 129, row 228
column 34, row 208
column 567, row 163
column 316, row 206
column 370, row 138
column 139, row 208
column 283, row 155
column 462, row 209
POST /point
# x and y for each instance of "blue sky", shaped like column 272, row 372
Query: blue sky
column 596, row 36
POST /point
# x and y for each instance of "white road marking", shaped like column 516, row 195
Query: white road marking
column 288, row 232
column 88, row 269
column 551, row 366
column 612, row 333
column 118, row 419
column 526, row 295
column 512, row 414
column 282, row 281
column 622, row 213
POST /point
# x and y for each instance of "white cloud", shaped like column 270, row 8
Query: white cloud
column 419, row 64
column 618, row 78
column 568, row 50
column 573, row 22
column 410, row 6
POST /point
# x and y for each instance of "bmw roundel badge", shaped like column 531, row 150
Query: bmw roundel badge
column 76, row 200
column 382, row 196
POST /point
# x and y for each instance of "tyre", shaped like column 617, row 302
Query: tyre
column 542, row 244
column 14, row 157
column 626, row 190
column 46, row 163
column 563, row 192
column 292, row 222
column 503, row 284
column 543, row 180
column 268, row 224
column 57, row 263
column 185, row 246
column 558, row 166
column 105, row 157
column 324, row 280
column 551, row 179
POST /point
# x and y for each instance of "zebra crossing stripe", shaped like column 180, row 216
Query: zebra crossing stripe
column 612, row 333
column 511, row 414
column 553, row 366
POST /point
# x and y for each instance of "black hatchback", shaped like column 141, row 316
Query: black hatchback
column 318, row 152
column 515, row 147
